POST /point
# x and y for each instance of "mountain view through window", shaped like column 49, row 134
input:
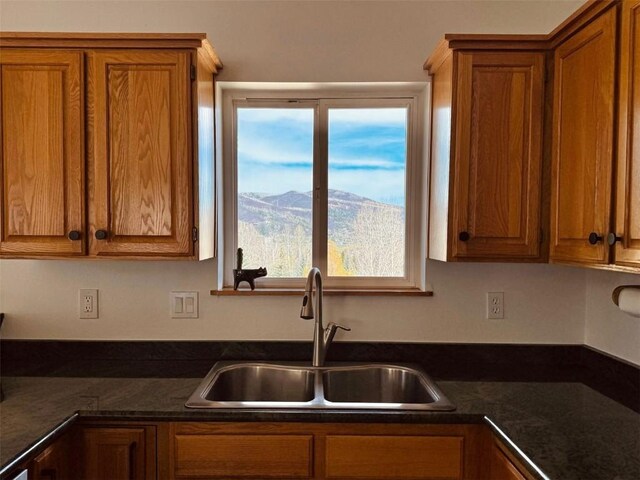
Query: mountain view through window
column 366, row 197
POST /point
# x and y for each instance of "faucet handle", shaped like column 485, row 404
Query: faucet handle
column 334, row 326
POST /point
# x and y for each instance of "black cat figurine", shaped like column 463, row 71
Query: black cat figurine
column 241, row 275
column 248, row 276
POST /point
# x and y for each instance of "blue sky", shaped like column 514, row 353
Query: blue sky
column 367, row 151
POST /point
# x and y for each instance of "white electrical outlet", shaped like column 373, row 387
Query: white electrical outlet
column 183, row 305
column 88, row 303
column 495, row 305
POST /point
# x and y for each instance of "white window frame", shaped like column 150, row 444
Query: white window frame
column 414, row 96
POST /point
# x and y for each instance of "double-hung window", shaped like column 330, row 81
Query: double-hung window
column 328, row 179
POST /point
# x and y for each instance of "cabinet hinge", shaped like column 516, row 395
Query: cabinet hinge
column 193, row 72
column 194, row 234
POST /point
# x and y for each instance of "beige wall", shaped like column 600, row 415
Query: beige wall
column 543, row 304
column 303, row 41
column 300, row 40
column 606, row 327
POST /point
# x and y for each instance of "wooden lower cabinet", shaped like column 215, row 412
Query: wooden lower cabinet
column 503, row 465
column 331, row 451
column 394, row 456
column 104, row 451
column 54, row 463
column 221, row 456
column 118, row 452
column 260, row 450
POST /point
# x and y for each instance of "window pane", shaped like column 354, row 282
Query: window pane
column 275, row 180
column 367, row 169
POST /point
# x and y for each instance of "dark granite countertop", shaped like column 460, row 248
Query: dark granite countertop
column 566, row 430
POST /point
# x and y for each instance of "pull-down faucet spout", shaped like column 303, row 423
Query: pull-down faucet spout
column 322, row 337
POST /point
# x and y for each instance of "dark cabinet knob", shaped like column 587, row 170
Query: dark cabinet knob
column 464, row 236
column 101, row 234
column 48, row 474
column 74, row 235
column 612, row 238
column 594, row 238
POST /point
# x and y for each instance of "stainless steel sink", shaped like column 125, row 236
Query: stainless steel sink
column 338, row 386
column 377, row 384
column 262, row 383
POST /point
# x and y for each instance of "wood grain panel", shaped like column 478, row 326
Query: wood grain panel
column 584, row 97
column 33, row 102
column 54, row 463
column 442, row 117
column 498, row 158
column 42, row 152
column 93, row 40
column 244, row 456
column 413, row 457
column 115, row 454
column 140, row 157
column 140, row 147
column 627, row 251
column 502, row 468
column 206, row 171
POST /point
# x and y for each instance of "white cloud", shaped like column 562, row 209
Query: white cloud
column 263, row 151
column 362, row 162
column 370, row 142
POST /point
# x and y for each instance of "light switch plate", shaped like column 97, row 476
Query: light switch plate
column 183, row 304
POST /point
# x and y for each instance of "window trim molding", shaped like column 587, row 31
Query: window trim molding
column 417, row 96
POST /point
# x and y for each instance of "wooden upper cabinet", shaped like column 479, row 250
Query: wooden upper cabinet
column 42, row 157
column 627, row 250
column 139, row 107
column 583, row 142
column 486, row 171
column 149, row 157
column 498, row 155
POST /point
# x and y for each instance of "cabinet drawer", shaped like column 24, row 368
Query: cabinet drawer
column 415, row 457
column 244, row 456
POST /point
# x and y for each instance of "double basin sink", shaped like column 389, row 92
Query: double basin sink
column 338, row 386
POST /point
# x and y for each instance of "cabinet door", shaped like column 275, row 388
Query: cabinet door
column 394, row 457
column 243, row 456
column 41, row 159
column 583, row 125
column 53, row 463
column 627, row 251
column 501, row 467
column 140, row 153
column 118, row 453
column 498, row 156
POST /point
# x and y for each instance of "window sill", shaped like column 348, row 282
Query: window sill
column 407, row 292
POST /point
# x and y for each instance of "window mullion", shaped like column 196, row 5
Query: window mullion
column 320, row 194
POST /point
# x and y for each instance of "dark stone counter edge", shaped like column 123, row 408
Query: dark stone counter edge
column 36, row 447
column 606, row 374
column 317, row 416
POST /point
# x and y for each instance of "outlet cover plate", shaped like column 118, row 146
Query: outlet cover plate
column 88, row 303
column 495, row 305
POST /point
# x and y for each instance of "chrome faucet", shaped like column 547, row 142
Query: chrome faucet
column 322, row 337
